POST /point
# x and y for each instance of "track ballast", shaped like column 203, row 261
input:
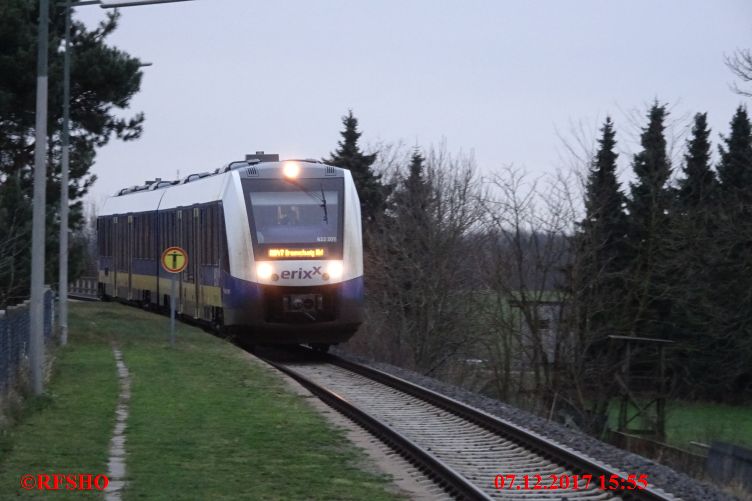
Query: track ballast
column 461, row 448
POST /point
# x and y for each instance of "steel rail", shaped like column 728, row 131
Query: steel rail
column 444, row 475
column 577, row 461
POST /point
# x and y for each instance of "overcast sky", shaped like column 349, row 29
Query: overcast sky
column 502, row 79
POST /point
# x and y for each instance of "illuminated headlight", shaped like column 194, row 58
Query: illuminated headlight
column 335, row 270
column 291, row 169
column 264, row 271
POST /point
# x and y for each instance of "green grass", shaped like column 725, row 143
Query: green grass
column 706, row 422
column 204, row 422
column 701, row 422
column 67, row 430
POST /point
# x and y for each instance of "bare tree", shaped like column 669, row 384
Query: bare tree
column 419, row 292
column 527, row 252
column 740, row 64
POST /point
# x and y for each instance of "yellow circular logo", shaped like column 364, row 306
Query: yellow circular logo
column 174, row 259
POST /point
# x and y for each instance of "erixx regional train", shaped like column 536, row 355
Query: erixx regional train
column 274, row 249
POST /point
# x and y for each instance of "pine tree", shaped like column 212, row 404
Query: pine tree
column 412, row 217
column 411, row 198
column 598, row 279
column 697, row 189
column 104, row 79
column 372, row 192
column 735, row 167
column 598, row 274
column 15, row 234
column 604, row 201
column 732, row 281
column 601, row 244
column 407, row 233
column 693, row 260
column 648, row 223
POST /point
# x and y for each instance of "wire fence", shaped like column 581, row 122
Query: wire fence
column 15, row 323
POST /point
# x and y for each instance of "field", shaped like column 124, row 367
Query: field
column 204, row 422
column 703, row 422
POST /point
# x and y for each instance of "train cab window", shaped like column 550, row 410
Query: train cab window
column 283, row 217
column 304, row 213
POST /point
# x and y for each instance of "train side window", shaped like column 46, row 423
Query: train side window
column 136, row 235
column 209, row 234
column 209, row 259
column 154, row 235
column 99, row 237
column 212, row 235
column 141, row 235
column 218, row 234
column 161, row 233
column 110, row 236
column 144, row 234
column 168, row 231
column 224, row 258
column 203, row 235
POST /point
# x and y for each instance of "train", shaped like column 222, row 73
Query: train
column 274, row 250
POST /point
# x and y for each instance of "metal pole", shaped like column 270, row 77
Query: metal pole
column 63, row 286
column 173, row 293
column 36, row 344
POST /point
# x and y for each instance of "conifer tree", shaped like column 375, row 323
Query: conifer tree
column 372, row 192
column 104, row 81
column 408, row 233
column 411, row 207
column 735, row 167
column 697, row 188
column 648, row 224
column 693, row 260
column 411, row 198
column 732, row 281
column 604, row 201
column 15, row 227
column 601, row 242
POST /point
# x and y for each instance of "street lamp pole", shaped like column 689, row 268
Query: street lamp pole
column 36, row 341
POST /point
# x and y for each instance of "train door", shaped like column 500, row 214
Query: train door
column 130, row 242
column 180, row 239
column 114, row 255
column 194, row 260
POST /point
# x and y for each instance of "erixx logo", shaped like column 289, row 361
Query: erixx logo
column 300, row 273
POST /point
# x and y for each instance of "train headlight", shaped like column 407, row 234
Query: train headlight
column 264, row 271
column 335, row 269
column 291, row 170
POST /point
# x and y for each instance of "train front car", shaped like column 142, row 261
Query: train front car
column 296, row 259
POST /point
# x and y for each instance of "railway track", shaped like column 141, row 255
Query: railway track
column 462, row 449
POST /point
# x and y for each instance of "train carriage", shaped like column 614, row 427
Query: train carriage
column 274, row 249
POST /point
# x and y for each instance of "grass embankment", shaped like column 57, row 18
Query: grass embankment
column 204, row 422
column 68, row 429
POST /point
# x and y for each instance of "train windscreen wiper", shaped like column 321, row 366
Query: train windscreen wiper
column 323, row 205
column 321, row 200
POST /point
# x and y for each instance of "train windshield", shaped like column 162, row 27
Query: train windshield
column 296, row 219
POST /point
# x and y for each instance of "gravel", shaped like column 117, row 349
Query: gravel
column 659, row 475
